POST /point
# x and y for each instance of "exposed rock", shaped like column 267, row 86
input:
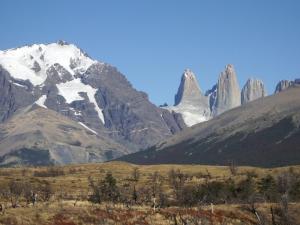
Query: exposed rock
column 282, row 85
column 228, row 91
column 212, row 96
column 33, row 131
column 252, row 90
column 189, row 90
column 189, row 101
column 36, row 67
column 14, row 94
column 62, row 77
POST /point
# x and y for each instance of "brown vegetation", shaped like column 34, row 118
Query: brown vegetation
column 120, row 193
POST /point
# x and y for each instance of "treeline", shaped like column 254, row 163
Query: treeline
column 177, row 189
column 19, row 191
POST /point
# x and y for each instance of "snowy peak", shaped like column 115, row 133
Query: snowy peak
column 252, row 90
column 189, row 89
column 32, row 62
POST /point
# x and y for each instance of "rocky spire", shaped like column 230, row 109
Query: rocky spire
column 252, row 90
column 189, row 101
column 282, row 85
column 228, row 91
column 189, row 89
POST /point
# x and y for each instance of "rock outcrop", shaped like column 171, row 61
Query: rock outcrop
column 189, row 90
column 282, row 85
column 189, row 100
column 252, row 90
column 228, row 91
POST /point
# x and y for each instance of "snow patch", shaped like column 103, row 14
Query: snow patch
column 41, row 101
column 71, row 89
column 191, row 115
column 86, row 127
column 20, row 85
column 138, row 130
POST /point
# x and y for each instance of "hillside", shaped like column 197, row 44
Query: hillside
column 264, row 132
column 39, row 136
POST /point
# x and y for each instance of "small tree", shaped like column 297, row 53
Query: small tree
column 284, row 182
column 135, row 178
column 15, row 190
column 45, row 190
column 177, row 181
column 156, row 182
column 109, row 188
column 104, row 190
column 135, row 174
column 233, row 168
column 267, row 187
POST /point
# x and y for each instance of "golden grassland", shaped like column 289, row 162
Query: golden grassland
column 65, row 213
column 75, row 181
column 75, row 177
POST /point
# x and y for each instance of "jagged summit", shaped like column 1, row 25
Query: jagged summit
column 228, row 91
column 282, row 85
column 189, row 100
column 189, row 89
column 253, row 89
column 31, row 62
column 61, row 77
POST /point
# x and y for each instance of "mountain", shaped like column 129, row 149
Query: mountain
column 38, row 136
column 264, row 132
column 228, row 93
column 62, row 77
column 196, row 107
column 253, row 90
column 189, row 100
column 282, row 85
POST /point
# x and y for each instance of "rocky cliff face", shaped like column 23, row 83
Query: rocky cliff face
column 63, row 78
column 228, row 91
column 196, row 107
column 282, row 85
column 189, row 90
column 252, row 90
column 189, row 100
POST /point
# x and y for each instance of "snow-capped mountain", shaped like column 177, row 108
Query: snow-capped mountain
column 33, row 62
column 61, row 77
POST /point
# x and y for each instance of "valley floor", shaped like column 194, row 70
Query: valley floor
column 122, row 193
column 65, row 213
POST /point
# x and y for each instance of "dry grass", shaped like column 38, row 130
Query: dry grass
column 75, row 178
column 74, row 182
column 66, row 213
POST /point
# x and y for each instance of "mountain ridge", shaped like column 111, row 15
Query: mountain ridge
column 61, row 77
column 264, row 132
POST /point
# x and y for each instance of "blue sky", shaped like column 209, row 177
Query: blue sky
column 153, row 41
